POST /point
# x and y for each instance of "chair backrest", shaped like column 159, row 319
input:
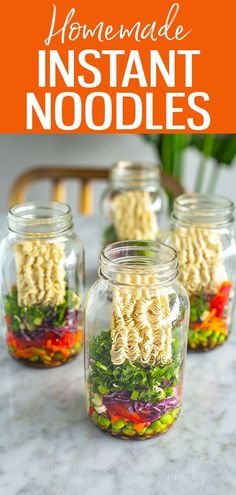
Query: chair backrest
column 85, row 175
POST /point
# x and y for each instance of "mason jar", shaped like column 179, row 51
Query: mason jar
column 42, row 272
column 203, row 234
column 134, row 206
column 136, row 327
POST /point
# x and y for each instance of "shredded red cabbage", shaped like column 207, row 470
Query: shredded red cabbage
column 146, row 410
column 71, row 325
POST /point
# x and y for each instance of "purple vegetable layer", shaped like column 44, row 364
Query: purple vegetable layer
column 145, row 409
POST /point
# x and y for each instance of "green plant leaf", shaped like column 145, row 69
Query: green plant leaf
column 223, row 148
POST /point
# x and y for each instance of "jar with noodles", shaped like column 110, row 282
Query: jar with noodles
column 134, row 205
column 42, row 285
column 136, row 336
column 203, row 235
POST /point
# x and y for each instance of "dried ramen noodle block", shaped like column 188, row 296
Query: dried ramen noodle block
column 141, row 325
column 133, row 216
column 40, row 273
column 200, row 258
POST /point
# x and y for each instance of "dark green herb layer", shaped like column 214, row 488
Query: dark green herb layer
column 106, row 377
column 33, row 316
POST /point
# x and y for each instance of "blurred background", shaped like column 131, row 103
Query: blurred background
column 200, row 162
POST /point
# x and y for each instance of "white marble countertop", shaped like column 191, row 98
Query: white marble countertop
column 49, row 447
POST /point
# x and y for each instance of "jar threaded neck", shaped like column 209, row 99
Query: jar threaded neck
column 40, row 219
column 144, row 262
column 203, row 209
column 135, row 174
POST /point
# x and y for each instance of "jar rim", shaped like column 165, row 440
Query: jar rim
column 211, row 209
column 135, row 173
column 140, row 258
column 40, row 218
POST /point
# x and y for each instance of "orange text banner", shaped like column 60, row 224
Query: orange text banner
column 157, row 66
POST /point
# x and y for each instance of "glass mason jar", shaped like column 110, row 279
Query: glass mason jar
column 42, row 268
column 203, row 234
column 134, row 205
column 135, row 340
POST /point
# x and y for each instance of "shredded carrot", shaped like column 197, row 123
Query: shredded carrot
column 65, row 352
column 79, row 336
column 55, row 348
column 208, row 319
column 25, row 353
column 114, row 419
column 215, row 324
column 139, row 427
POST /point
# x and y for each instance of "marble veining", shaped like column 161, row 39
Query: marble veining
column 49, row 447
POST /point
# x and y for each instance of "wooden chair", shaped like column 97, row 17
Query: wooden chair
column 85, row 175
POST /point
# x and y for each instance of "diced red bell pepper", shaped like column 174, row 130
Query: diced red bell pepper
column 221, row 299
column 121, row 411
column 67, row 340
column 91, row 410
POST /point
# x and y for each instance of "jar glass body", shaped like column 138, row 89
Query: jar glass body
column 135, row 346
column 134, row 205
column 207, row 268
column 42, row 289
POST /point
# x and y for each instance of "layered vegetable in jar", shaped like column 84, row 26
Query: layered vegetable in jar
column 204, row 238
column 42, row 271
column 136, row 335
column 134, row 205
